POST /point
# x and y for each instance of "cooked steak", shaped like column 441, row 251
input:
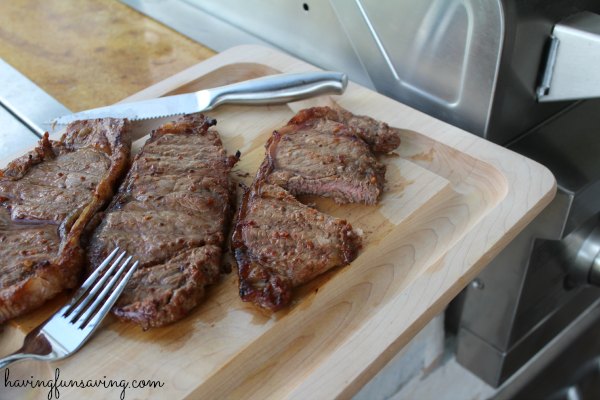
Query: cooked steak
column 47, row 197
column 170, row 213
column 324, row 158
column 280, row 243
column 378, row 135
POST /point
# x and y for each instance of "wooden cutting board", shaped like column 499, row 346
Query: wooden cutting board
column 452, row 202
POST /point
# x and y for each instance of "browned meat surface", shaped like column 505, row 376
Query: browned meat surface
column 280, row 243
column 378, row 135
column 166, row 292
column 47, row 197
column 170, row 213
column 324, row 158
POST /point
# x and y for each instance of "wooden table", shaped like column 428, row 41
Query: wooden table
column 91, row 53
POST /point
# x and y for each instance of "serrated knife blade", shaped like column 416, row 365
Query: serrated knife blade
column 273, row 89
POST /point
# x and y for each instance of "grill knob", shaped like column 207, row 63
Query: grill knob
column 584, row 249
column 594, row 278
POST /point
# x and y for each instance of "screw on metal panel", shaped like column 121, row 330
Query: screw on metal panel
column 477, row 284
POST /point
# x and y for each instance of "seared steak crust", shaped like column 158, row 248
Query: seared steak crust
column 184, row 277
column 170, row 213
column 378, row 135
column 280, row 243
column 324, row 158
column 47, row 197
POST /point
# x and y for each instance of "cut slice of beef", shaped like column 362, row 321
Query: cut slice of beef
column 170, row 213
column 378, row 135
column 280, row 243
column 47, row 197
column 324, row 158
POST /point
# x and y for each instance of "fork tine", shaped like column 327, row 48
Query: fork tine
column 97, row 285
column 81, row 321
column 111, row 299
column 63, row 335
column 66, row 309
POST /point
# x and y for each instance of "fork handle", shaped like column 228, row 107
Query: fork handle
column 5, row 361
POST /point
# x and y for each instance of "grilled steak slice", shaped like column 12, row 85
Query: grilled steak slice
column 378, row 135
column 280, row 243
column 324, row 158
column 166, row 292
column 170, row 214
column 47, row 197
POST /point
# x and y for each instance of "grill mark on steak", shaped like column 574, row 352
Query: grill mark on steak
column 377, row 134
column 170, row 213
column 325, row 159
column 47, row 197
column 280, row 243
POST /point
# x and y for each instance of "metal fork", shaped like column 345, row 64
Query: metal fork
column 70, row 327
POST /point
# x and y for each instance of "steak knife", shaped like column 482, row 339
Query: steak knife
column 273, row 89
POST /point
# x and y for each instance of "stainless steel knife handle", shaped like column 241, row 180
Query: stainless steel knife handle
column 268, row 90
column 279, row 88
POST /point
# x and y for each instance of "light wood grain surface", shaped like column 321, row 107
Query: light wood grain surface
column 91, row 53
column 452, row 202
